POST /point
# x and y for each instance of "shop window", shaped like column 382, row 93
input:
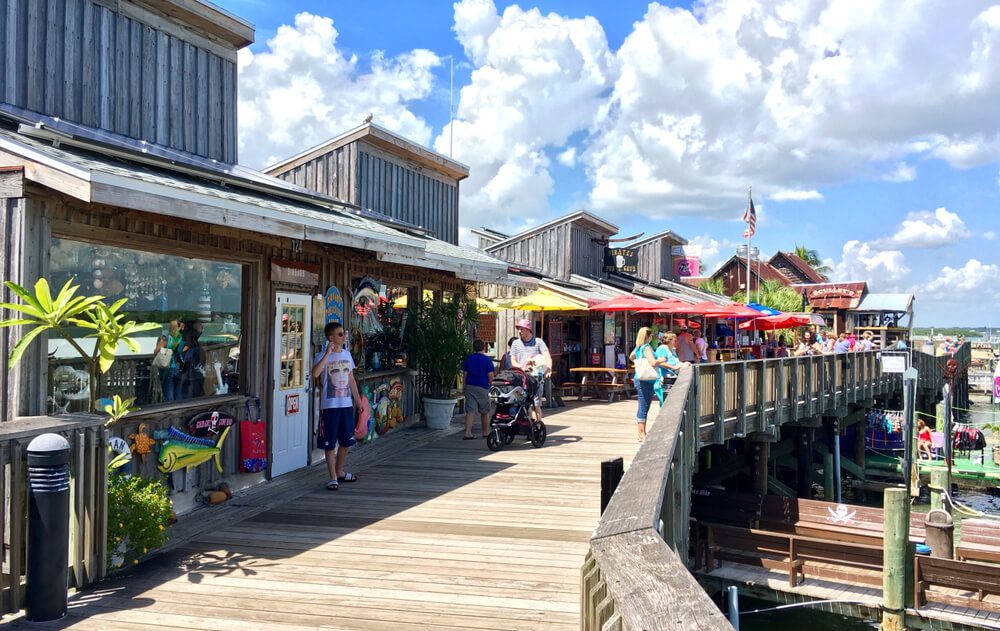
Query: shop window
column 377, row 314
column 292, row 354
column 198, row 302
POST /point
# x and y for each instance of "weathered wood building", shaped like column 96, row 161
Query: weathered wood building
column 793, row 268
column 127, row 185
column 656, row 260
column 374, row 168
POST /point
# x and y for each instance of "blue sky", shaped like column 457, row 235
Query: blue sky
column 874, row 143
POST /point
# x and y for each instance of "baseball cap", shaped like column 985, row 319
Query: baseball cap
column 523, row 323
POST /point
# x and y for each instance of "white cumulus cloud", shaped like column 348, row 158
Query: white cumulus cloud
column 795, row 195
column 902, row 172
column 303, row 90
column 927, row 229
column 973, row 280
column 567, row 158
column 989, row 235
column 882, row 269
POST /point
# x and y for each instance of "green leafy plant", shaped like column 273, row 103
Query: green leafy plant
column 438, row 337
column 118, row 409
column 43, row 312
column 139, row 512
column 714, row 286
column 812, row 258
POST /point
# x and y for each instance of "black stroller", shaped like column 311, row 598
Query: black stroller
column 513, row 395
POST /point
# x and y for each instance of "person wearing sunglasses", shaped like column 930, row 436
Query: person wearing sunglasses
column 334, row 371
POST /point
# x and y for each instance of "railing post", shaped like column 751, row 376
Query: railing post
column 793, row 413
column 761, row 396
column 741, row 401
column 781, row 386
column 821, row 360
column 808, row 370
column 720, row 403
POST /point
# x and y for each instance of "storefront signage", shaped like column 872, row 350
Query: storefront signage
column 609, row 328
column 686, row 250
column 833, row 292
column 687, row 266
column 621, row 260
column 291, row 404
column 209, row 424
column 334, row 306
column 294, row 273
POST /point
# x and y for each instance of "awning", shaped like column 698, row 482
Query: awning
column 93, row 177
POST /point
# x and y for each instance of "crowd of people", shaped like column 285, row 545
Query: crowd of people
column 827, row 342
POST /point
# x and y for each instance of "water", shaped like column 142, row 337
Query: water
column 795, row 619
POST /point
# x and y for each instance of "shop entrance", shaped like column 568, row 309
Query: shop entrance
column 292, row 375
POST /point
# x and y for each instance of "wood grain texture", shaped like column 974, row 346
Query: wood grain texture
column 439, row 533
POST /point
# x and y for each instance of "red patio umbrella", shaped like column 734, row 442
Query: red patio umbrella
column 732, row 311
column 771, row 323
column 667, row 305
column 627, row 302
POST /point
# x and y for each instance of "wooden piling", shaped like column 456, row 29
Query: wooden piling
column 805, row 461
column 940, row 483
column 897, row 546
column 761, row 454
column 829, row 492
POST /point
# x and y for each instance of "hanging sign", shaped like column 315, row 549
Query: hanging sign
column 209, row 424
column 687, row 266
column 621, row 260
column 291, row 404
column 294, row 272
column 609, row 328
column 334, row 305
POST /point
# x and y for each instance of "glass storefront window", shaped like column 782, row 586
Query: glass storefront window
column 199, row 302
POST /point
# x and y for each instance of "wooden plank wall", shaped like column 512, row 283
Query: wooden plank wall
column 135, row 74
column 365, row 175
column 549, row 251
column 587, row 255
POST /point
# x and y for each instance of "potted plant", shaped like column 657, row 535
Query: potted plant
column 438, row 339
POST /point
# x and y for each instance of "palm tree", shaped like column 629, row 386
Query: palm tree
column 714, row 286
column 812, row 258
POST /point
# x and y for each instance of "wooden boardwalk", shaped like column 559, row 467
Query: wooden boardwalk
column 446, row 535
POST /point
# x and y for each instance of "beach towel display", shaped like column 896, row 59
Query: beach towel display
column 253, row 441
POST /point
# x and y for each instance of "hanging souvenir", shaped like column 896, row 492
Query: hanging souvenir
column 183, row 451
column 141, row 442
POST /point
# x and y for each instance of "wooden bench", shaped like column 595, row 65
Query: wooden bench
column 794, row 554
column 979, row 540
column 979, row 578
column 711, row 506
column 828, row 520
column 752, row 547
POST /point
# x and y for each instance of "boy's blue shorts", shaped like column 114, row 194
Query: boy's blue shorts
column 336, row 426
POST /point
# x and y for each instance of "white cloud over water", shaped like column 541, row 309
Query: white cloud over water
column 974, row 280
column 883, row 269
column 927, row 229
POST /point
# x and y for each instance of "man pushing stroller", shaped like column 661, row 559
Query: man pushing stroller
column 531, row 355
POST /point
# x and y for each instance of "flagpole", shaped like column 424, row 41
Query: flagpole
column 749, row 239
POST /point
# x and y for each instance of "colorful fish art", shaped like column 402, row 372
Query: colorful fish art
column 183, row 451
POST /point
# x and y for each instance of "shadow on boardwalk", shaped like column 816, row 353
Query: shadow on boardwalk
column 441, row 536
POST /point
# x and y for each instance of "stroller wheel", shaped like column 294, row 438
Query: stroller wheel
column 538, row 434
column 493, row 440
column 508, row 436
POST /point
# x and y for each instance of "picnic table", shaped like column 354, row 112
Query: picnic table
column 599, row 381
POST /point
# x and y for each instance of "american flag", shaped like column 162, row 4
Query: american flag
column 750, row 216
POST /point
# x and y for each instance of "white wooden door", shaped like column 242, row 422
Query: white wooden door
column 292, row 375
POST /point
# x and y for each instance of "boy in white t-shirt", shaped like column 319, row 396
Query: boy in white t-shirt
column 334, row 371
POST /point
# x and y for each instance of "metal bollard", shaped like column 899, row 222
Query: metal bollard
column 48, row 528
column 611, row 474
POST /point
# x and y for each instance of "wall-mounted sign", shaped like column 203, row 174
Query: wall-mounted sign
column 334, row 306
column 291, row 404
column 609, row 328
column 621, row 260
column 294, row 273
column 833, row 292
column 209, row 424
column 687, row 266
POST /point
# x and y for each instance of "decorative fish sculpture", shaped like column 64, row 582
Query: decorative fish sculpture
column 183, row 451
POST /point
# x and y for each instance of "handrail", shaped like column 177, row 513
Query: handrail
column 88, row 441
column 636, row 574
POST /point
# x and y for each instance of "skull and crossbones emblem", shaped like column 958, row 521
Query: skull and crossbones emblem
column 840, row 515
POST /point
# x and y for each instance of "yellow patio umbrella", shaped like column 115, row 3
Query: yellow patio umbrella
column 481, row 303
column 544, row 300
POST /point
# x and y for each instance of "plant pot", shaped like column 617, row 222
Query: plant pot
column 439, row 412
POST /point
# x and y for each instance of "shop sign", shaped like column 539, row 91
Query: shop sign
column 833, row 292
column 334, row 305
column 294, row 273
column 687, row 266
column 595, row 359
column 208, row 424
column 609, row 328
column 686, row 250
column 622, row 260
column 291, row 404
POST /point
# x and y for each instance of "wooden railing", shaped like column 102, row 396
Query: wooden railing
column 88, row 499
column 636, row 575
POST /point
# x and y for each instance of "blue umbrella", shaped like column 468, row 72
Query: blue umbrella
column 763, row 309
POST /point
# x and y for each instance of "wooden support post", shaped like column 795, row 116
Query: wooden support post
column 859, row 444
column 940, row 482
column 897, row 548
column 829, row 493
column 804, row 470
column 761, row 454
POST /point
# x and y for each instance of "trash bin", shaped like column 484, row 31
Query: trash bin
column 48, row 528
column 940, row 534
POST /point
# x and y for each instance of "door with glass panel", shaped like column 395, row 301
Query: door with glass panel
column 292, row 376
